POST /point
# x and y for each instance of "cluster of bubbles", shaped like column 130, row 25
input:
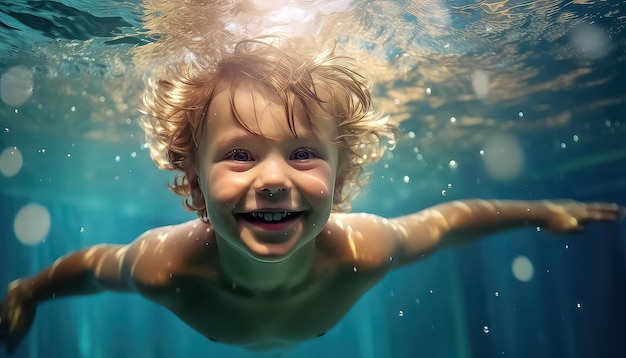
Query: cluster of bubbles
column 32, row 222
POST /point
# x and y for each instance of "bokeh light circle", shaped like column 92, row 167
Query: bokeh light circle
column 16, row 86
column 590, row 41
column 522, row 268
column 32, row 224
column 503, row 157
column 480, row 83
column 11, row 161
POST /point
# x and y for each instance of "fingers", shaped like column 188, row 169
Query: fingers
column 12, row 339
column 603, row 212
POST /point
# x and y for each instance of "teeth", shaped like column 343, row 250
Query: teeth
column 270, row 216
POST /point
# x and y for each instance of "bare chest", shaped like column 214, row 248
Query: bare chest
column 231, row 315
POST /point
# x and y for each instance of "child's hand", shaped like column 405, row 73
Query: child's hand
column 569, row 215
column 16, row 316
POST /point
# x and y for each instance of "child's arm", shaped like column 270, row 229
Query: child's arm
column 83, row 272
column 409, row 238
column 459, row 222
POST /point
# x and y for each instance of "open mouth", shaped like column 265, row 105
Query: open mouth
column 270, row 217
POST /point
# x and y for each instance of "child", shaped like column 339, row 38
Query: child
column 269, row 144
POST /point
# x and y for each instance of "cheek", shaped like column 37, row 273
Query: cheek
column 319, row 183
column 224, row 187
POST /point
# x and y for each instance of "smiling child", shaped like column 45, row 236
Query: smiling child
column 270, row 145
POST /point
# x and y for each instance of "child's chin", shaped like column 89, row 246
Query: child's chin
column 270, row 249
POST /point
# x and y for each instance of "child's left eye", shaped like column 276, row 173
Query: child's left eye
column 302, row 154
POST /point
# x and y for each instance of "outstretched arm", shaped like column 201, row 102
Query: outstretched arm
column 83, row 272
column 367, row 240
column 463, row 221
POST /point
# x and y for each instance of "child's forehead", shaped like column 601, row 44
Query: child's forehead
column 259, row 109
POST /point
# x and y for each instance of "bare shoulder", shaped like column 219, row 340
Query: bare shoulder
column 359, row 239
column 162, row 253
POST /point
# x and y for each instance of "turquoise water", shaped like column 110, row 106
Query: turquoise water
column 517, row 100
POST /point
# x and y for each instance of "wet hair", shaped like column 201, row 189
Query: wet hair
column 300, row 75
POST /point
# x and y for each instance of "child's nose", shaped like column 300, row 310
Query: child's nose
column 272, row 177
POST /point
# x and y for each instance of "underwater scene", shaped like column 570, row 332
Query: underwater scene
column 496, row 99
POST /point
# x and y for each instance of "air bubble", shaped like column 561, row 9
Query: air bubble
column 503, row 157
column 16, row 86
column 32, row 224
column 11, row 161
column 522, row 268
column 486, row 329
column 480, row 83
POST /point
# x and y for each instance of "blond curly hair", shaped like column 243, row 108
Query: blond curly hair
column 176, row 102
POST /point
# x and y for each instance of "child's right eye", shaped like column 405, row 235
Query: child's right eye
column 239, row 155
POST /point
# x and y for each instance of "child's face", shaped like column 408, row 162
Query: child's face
column 268, row 193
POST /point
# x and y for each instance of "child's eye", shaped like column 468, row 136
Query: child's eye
column 239, row 155
column 302, row 154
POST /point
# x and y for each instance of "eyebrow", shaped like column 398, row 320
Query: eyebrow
column 241, row 136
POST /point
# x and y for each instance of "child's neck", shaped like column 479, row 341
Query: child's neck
column 263, row 278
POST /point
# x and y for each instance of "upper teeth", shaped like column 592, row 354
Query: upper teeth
column 270, row 216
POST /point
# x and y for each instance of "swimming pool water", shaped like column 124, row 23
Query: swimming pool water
column 517, row 100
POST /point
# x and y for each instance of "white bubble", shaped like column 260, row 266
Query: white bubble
column 503, row 157
column 523, row 269
column 32, row 224
column 453, row 164
column 16, row 86
column 590, row 41
column 480, row 83
column 11, row 161
column 406, row 179
column 486, row 329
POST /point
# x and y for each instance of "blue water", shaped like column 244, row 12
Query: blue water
column 558, row 104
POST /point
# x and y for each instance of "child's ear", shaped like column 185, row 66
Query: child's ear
column 197, row 198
